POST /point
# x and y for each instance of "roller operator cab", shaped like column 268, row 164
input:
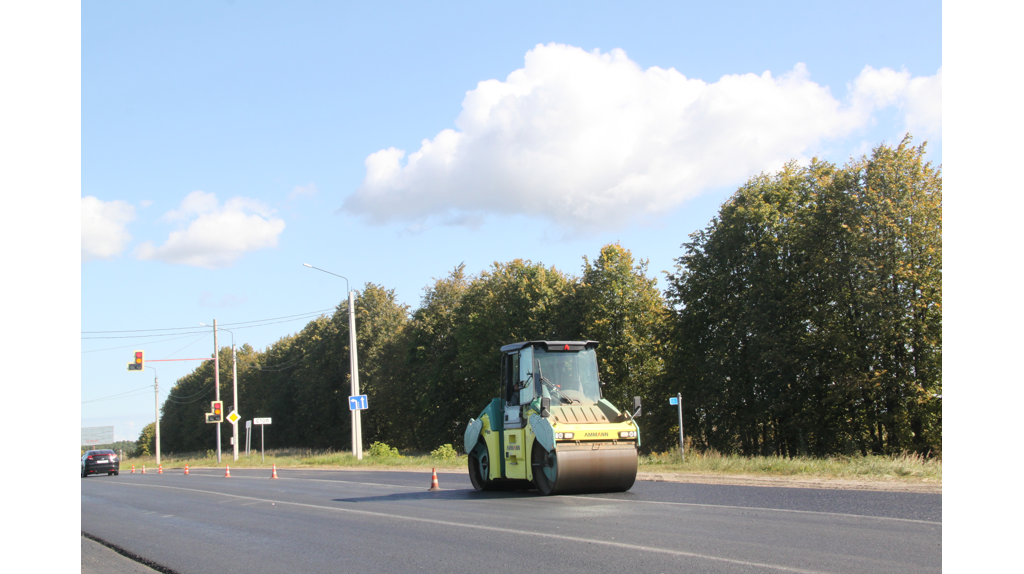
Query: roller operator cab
column 551, row 428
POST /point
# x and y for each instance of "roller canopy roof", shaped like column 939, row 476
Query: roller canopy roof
column 552, row 345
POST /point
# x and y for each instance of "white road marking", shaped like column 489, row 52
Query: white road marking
column 547, row 536
column 759, row 509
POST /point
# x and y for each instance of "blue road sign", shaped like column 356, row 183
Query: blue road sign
column 357, row 403
column 673, row 401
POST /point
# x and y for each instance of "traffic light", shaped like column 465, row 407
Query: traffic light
column 217, row 412
column 139, row 363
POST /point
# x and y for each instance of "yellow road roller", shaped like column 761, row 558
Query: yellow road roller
column 551, row 428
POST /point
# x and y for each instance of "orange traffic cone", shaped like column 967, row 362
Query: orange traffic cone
column 143, row 469
column 433, row 481
column 133, row 469
column 160, row 469
column 227, row 471
column 275, row 472
column 186, row 470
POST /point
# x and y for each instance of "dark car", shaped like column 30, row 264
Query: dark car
column 100, row 462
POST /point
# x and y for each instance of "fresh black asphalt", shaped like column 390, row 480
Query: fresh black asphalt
column 367, row 521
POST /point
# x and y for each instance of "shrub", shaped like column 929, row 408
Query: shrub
column 444, row 452
column 379, row 449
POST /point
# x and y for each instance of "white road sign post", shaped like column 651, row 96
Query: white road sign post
column 248, row 433
column 261, row 422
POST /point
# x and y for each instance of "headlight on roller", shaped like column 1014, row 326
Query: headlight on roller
column 564, row 435
column 627, row 434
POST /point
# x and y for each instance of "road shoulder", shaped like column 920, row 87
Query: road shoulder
column 99, row 559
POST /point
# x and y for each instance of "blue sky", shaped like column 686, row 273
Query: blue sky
column 223, row 145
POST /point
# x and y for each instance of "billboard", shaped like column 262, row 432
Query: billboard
column 93, row 436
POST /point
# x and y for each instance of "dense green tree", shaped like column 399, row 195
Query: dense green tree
column 622, row 309
column 146, row 443
column 808, row 311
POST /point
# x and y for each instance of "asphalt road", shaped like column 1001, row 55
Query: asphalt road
column 387, row 522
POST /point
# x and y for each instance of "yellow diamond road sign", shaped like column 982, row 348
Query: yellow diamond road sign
column 233, row 417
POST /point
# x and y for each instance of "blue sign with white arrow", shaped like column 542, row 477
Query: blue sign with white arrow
column 357, row 403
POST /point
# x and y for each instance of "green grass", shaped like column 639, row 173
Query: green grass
column 295, row 458
column 909, row 468
column 904, row 467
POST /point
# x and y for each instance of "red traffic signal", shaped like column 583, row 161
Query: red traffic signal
column 216, row 415
column 139, row 363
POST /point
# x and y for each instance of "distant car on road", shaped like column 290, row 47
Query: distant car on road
column 100, row 462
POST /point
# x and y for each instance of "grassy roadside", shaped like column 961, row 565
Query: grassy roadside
column 904, row 468
column 909, row 469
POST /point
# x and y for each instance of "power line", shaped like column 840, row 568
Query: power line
column 224, row 325
column 204, row 331
column 188, row 345
column 182, row 401
column 118, row 395
column 130, row 346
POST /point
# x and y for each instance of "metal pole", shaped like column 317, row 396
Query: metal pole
column 682, row 455
column 234, row 384
column 156, row 408
column 357, row 435
column 357, row 432
column 263, row 457
column 216, row 381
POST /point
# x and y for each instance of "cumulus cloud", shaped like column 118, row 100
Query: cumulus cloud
column 214, row 235
column 590, row 140
column 923, row 105
column 919, row 99
column 104, row 235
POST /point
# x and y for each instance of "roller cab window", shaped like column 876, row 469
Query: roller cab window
column 567, row 377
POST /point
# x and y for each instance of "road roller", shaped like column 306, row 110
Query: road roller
column 551, row 427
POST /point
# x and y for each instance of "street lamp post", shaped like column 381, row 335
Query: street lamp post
column 357, row 431
column 234, row 387
column 156, row 410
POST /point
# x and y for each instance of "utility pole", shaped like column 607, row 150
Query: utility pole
column 156, row 410
column 216, row 380
column 234, row 385
column 357, row 431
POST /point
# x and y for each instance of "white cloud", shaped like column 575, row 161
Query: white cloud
column 923, row 105
column 590, row 140
column 216, row 235
column 104, row 235
column 920, row 98
column 302, row 190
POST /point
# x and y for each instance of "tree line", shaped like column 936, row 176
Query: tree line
column 804, row 319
